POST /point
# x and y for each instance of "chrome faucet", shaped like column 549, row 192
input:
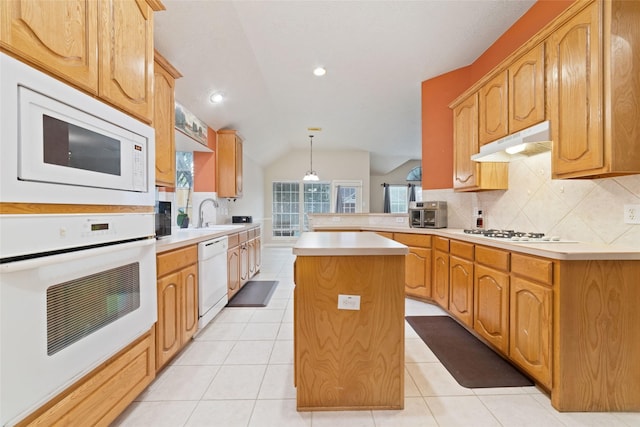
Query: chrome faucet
column 200, row 219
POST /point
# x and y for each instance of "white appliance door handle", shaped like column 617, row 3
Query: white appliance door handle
column 27, row 264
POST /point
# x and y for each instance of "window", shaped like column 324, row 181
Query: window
column 288, row 214
column 347, row 196
column 184, row 181
column 399, row 197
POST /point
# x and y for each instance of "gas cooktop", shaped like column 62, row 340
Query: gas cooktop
column 517, row 236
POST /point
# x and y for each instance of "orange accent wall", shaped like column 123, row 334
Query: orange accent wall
column 438, row 92
column 437, row 126
column 204, row 165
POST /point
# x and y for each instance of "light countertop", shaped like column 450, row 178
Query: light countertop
column 560, row 251
column 181, row 237
column 346, row 244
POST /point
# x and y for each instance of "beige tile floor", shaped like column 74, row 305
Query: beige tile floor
column 238, row 371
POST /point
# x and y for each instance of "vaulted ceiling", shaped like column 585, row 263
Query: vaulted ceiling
column 261, row 54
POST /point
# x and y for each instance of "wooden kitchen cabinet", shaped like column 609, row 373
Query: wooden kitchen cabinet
column 233, row 265
column 125, row 55
column 417, row 280
column 491, row 296
column 177, row 301
column 593, row 88
column 164, row 118
column 111, row 48
column 527, row 90
column 531, row 316
column 493, row 109
column 441, row 271
column 461, row 281
column 40, row 31
column 467, row 174
column 229, row 166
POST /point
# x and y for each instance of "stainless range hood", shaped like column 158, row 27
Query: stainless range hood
column 527, row 142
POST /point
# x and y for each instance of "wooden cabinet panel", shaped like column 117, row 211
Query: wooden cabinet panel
column 530, row 336
column 258, row 254
column 125, row 56
column 493, row 109
column 229, row 166
column 491, row 305
column 418, row 240
column 177, row 301
column 527, row 90
column 60, row 37
column 465, row 143
column 244, row 264
column 441, row 244
column 461, row 289
column 168, row 325
column 575, row 87
column 494, row 258
column 440, row 281
column 418, row 272
column 538, row 269
column 461, row 249
column 190, row 302
column 164, row 120
column 233, row 271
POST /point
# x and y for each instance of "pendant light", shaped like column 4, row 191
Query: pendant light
column 311, row 174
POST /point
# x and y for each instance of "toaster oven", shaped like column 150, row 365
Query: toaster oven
column 428, row 214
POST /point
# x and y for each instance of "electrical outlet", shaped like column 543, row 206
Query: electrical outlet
column 348, row 302
column 632, row 214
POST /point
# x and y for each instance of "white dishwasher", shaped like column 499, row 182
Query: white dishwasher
column 212, row 278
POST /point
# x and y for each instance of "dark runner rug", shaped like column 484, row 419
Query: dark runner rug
column 255, row 293
column 471, row 362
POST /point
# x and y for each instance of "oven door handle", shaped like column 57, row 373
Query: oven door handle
column 44, row 260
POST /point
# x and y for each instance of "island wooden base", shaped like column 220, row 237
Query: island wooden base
column 349, row 359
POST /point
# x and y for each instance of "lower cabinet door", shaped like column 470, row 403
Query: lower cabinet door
column 189, row 302
column 418, row 272
column 530, row 334
column 491, row 306
column 441, row 278
column 461, row 289
column 168, row 328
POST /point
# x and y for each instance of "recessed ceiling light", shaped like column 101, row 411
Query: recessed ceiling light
column 216, row 98
column 319, row 71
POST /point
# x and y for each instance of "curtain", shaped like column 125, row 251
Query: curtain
column 412, row 192
column 387, row 199
column 339, row 207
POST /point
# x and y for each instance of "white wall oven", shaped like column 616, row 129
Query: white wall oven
column 75, row 290
column 60, row 145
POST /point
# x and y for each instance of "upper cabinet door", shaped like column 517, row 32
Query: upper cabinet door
column 575, row 82
column 465, row 143
column 493, row 109
column 57, row 36
column 126, row 55
column 526, row 90
column 164, row 119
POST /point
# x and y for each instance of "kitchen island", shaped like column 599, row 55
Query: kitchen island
column 349, row 321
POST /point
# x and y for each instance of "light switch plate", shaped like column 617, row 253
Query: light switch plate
column 348, row 302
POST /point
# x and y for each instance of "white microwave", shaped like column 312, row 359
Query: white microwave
column 60, row 145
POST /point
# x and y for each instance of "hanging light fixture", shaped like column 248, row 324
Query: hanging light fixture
column 311, row 174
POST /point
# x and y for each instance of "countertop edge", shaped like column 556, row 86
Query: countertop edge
column 558, row 251
column 172, row 242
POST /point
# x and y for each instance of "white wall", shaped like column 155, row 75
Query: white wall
column 329, row 165
column 396, row 176
column 588, row 210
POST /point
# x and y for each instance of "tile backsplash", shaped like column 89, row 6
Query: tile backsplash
column 587, row 210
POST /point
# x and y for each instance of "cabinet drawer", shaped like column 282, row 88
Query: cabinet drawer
column 462, row 249
column 494, row 258
column 413, row 239
column 175, row 260
column 234, row 240
column 538, row 269
column 251, row 233
column 243, row 236
column 441, row 244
